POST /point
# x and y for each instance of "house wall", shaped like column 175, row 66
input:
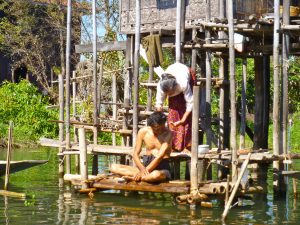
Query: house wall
column 161, row 14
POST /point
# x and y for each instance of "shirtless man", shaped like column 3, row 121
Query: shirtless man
column 158, row 140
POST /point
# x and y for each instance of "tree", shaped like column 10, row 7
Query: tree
column 32, row 34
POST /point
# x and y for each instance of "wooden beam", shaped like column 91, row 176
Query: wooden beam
column 141, row 186
column 102, row 47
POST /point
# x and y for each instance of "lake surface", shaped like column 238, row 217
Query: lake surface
column 50, row 202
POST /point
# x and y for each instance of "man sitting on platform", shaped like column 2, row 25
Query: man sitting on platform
column 158, row 140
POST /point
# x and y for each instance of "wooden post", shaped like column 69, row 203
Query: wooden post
column 182, row 29
column 68, row 66
column 99, row 87
column 8, row 155
column 236, row 186
column 61, row 125
column 233, row 144
column 224, row 97
column 51, row 78
column 208, row 84
column 13, row 79
column 178, row 30
column 276, row 103
column 83, row 157
column 95, row 91
column 74, row 116
column 285, row 67
column 114, row 100
column 262, row 90
column 195, row 140
column 136, row 69
column 150, row 90
column 127, row 85
column 244, row 105
column 194, row 51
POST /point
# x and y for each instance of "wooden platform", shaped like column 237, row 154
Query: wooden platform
column 114, row 182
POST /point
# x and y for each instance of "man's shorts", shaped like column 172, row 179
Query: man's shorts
column 163, row 166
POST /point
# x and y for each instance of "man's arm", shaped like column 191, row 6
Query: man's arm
column 164, row 150
column 138, row 149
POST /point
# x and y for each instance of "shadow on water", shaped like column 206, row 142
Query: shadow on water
column 52, row 201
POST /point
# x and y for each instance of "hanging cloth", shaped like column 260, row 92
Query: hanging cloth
column 152, row 46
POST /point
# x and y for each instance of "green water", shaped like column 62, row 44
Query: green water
column 52, row 203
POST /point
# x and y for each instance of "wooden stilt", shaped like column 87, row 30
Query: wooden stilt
column 68, row 71
column 276, row 92
column 195, row 141
column 75, row 130
column 233, row 144
column 243, row 111
column 178, row 30
column 83, row 157
column 61, row 125
column 8, row 155
column 136, row 69
column 95, row 91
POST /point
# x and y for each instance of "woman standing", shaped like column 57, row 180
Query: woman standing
column 176, row 84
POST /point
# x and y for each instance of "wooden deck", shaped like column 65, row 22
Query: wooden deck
column 256, row 156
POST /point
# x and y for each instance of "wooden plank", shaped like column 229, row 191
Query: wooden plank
column 141, row 186
column 102, row 47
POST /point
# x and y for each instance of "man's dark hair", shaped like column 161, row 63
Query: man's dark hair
column 168, row 82
column 157, row 118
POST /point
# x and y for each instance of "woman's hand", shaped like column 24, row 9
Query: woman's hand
column 177, row 123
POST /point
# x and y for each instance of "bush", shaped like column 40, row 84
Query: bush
column 23, row 104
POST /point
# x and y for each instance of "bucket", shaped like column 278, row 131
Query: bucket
column 202, row 149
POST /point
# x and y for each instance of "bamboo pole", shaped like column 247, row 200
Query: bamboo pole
column 285, row 67
column 194, row 51
column 114, row 99
column 236, row 185
column 227, row 189
column 51, row 77
column 233, row 144
column 8, row 155
column 208, row 77
column 12, row 194
column 178, row 30
column 127, row 85
column 68, row 66
column 61, row 125
column 95, row 91
column 83, row 157
column 208, row 84
column 74, row 116
column 243, row 110
column 149, row 90
column 276, row 103
column 224, row 96
column 99, row 102
column 195, row 140
column 136, row 69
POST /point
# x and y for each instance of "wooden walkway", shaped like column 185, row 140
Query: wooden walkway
column 256, row 156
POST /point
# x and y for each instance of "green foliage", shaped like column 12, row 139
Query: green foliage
column 294, row 84
column 23, row 104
